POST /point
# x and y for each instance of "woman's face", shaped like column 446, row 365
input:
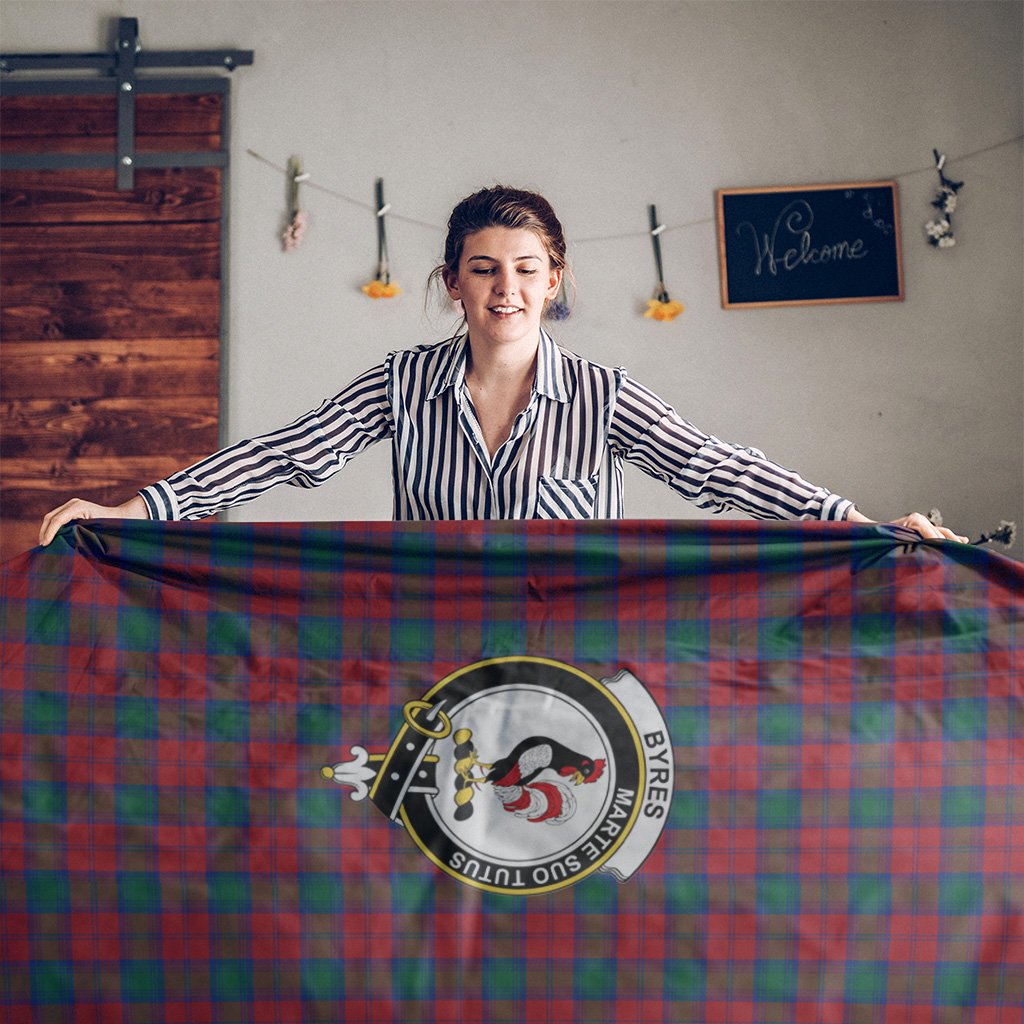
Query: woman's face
column 505, row 277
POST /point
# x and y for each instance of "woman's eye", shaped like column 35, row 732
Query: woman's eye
column 483, row 271
column 527, row 270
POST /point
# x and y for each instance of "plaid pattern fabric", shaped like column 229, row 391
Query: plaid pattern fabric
column 844, row 840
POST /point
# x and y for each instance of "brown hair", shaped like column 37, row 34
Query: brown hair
column 501, row 207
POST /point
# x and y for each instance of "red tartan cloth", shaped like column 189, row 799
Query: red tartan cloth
column 511, row 772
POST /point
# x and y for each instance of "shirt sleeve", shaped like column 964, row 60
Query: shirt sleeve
column 711, row 473
column 304, row 454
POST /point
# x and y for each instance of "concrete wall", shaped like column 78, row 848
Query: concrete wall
column 606, row 107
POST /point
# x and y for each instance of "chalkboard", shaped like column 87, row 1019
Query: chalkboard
column 812, row 244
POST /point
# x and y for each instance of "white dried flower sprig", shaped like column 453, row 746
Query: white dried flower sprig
column 940, row 231
column 1004, row 533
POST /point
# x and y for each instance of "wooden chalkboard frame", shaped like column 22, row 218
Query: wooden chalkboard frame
column 740, row 295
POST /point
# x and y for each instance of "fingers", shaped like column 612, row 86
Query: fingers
column 926, row 528
column 58, row 517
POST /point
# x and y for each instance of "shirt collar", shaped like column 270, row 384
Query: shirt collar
column 549, row 381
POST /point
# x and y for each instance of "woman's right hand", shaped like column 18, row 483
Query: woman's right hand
column 76, row 508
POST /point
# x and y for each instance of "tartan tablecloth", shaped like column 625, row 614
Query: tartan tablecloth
column 511, row 772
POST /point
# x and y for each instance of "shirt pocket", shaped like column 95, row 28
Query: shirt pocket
column 566, row 498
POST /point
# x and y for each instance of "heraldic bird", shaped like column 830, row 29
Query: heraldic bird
column 521, row 792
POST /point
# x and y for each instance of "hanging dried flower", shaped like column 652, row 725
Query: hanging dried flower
column 940, row 232
column 296, row 229
column 299, row 219
column 381, row 289
column 658, row 310
column 661, row 307
column 1004, row 533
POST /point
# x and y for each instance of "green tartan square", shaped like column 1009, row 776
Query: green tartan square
column 412, row 978
column 778, row 894
column 136, row 718
column 688, row 727
column 318, row 724
column 778, row 639
column 779, row 724
column 963, row 805
column 871, row 807
column 686, row 894
column 965, row 629
column 961, row 893
column 596, row 639
column 594, row 979
column 227, row 633
column 869, row 894
column 965, row 719
column 227, row 805
column 867, row 981
column 320, row 892
column 872, row 721
column 323, row 978
column 52, row 981
column 45, row 713
column 503, row 978
column 318, row 808
column 319, row 638
column 138, row 892
column 230, row 980
column 685, row 980
column 44, row 801
column 779, row 808
column 956, row 984
column 412, row 639
column 231, row 547
column 775, row 981
column 142, row 981
column 138, row 629
column 227, row 721
column 229, row 892
column 689, row 810
column 47, row 892
column 872, row 633
column 47, row 622
column 136, row 804
column 501, row 638
column 687, row 639
column 597, row 894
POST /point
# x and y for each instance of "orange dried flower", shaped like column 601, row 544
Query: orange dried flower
column 664, row 311
column 380, row 290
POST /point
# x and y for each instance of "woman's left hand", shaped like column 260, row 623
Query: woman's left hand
column 916, row 522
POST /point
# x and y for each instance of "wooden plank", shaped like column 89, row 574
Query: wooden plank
column 31, row 486
column 62, row 428
column 18, row 536
column 110, row 252
column 110, row 369
column 83, row 116
column 108, row 144
column 81, row 197
column 94, row 310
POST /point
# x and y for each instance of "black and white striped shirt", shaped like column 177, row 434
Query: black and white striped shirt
column 562, row 460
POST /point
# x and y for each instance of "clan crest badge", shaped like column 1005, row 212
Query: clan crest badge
column 524, row 775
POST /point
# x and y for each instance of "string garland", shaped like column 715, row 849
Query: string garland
column 311, row 183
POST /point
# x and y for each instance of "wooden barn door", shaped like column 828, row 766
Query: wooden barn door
column 110, row 310
column 111, row 303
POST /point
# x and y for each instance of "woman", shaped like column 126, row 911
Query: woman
column 497, row 422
